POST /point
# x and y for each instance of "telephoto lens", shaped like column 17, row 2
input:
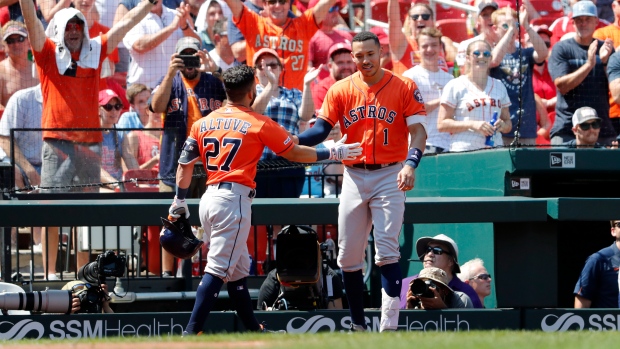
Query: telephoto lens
column 50, row 301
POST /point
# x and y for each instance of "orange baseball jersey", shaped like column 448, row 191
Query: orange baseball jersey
column 376, row 116
column 230, row 142
column 70, row 100
column 411, row 58
column 291, row 42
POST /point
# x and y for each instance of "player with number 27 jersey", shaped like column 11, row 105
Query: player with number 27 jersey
column 377, row 116
column 230, row 142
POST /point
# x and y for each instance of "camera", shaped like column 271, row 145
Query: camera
column 91, row 299
column 50, row 301
column 107, row 264
column 422, row 288
column 190, row 61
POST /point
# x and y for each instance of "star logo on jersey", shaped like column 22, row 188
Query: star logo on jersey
column 418, row 96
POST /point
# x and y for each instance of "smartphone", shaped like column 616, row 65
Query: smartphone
column 190, row 61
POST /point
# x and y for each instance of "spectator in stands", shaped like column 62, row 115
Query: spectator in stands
column 287, row 107
column 222, row 53
column 24, row 111
column 440, row 252
column 185, row 95
column 236, row 38
column 541, row 79
column 151, row 43
column 71, row 88
column 340, row 66
column 444, row 296
column 612, row 32
column 605, row 10
column 403, row 45
column 578, row 69
column 476, row 275
column 586, row 127
column 564, row 27
column 431, row 81
column 194, row 8
column 597, row 286
column 484, row 25
column 144, row 144
column 517, row 75
column 384, row 41
column 214, row 13
column 469, row 101
column 137, row 116
column 16, row 71
column 115, row 152
column 77, row 287
column 275, row 30
column 325, row 38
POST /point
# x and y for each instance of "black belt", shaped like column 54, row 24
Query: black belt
column 228, row 186
column 372, row 167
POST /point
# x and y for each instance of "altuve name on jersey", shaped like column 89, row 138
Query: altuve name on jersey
column 233, row 124
column 360, row 113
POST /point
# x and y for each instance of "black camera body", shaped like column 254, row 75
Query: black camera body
column 107, row 264
column 190, row 61
column 422, row 288
column 91, row 300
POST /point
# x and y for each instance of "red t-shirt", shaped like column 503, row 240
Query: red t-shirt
column 319, row 91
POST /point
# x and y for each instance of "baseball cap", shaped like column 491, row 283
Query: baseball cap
column 584, row 8
column 483, row 4
column 341, row 46
column 381, row 34
column 263, row 51
column 14, row 29
column 422, row 242
column 435, row 274
column 584, row 114
column 187, row 42
column 106, row 95
column 543, row 28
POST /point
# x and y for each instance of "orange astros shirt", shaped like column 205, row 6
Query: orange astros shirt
column 231, row 141
column 291, row 42
column 375, row 116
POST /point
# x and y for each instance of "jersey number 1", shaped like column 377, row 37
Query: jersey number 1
column 385, row 136
column 225, row 166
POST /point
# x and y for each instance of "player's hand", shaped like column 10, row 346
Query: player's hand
column 177, row 207
column 341, row 151
column 406, row 178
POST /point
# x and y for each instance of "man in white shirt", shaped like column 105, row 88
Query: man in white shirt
column 484, row 24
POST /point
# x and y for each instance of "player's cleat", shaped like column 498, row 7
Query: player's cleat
column 356, row 328
column 187, row 334
column 264, row 329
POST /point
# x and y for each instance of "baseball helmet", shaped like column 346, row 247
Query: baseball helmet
column 177, row 238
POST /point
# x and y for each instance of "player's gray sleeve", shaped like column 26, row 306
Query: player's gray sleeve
column 190, row 152
column 460, row 300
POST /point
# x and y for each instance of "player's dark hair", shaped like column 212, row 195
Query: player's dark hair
column 363, row 36
column 238, row 81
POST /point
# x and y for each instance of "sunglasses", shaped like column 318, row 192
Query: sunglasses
column 109, row 107
column 80, row 287
column 505, row 26
column 436, row 250
column 425, row 17
column 334, row 9
column 74, row 26
column 273, row 2
column 477, row 53
column 594, row 124
column 484, row 277
column 270, row 65
column 616, row 224
column 10, row 41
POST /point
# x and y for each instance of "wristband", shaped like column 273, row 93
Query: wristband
column 413, row 157
column 181, row 193
column 322, row 154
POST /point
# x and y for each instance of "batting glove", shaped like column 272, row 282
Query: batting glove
column 341, row 151
column 178, row 208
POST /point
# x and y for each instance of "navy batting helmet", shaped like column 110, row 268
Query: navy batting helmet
column 177, row 238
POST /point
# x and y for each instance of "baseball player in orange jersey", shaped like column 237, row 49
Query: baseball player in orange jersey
column 379, row 110
column 289, row 37
column 230, row 141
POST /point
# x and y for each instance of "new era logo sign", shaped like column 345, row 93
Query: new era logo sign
column 520, row 183
column 562, row 160
column 514, row 184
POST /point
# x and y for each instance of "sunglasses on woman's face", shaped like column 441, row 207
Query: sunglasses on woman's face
column 11, row 41
column 478, row 53
column 425, row 16
column 109, row 107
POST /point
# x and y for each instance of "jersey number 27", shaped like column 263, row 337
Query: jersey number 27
column 234, row 143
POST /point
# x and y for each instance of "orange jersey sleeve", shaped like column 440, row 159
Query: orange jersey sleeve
column 231, row 141
column 291, row 42
column 376, row 116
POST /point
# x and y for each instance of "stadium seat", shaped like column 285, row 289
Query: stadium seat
column 379, row 9
column 147, row 181
column 548, row 10
column 455, row 29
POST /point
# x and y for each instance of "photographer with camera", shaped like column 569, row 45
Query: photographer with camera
column 430, row 290
column 88, row 298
